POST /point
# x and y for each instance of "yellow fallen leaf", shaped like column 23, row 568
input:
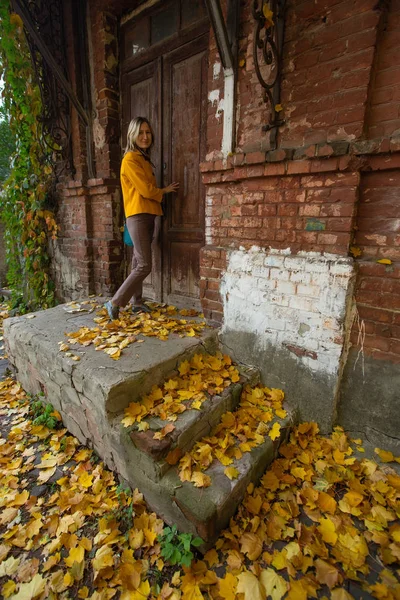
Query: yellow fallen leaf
column 274, row 585
column 46, row 474
column 341, row 594
column 384, row 261
column 9, row 566
column 8, row 588
column 275, row 431
column 227, row 587
column 386, row 456
column 68, row 580
column 251, row 544
column 28, row 591
column 327, row 503
column 328, row 531
column 143, row 426
column 355, row 251
column 199, row 479
column 104, row 558
column 231, row 472
column 75, row 555
column 85, row 480
column 250, row 586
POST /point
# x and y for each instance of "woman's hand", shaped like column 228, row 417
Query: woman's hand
column 172, row 187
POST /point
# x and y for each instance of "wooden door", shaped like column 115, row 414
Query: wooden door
column 184, row 120
column 142, row 98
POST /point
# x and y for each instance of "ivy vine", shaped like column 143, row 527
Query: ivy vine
column 23, row 200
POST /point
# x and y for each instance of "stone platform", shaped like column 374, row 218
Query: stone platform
column 91, row 394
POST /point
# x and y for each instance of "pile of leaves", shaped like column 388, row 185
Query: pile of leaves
column 201, row 377
column 321, row 524
column 113, row 336
column 237, row 433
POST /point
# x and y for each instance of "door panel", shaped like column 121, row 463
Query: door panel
column 142, row 98
column 184, row 106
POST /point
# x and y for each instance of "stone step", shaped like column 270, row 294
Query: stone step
column 148, row 455
column 203, row 512
column 92, row 392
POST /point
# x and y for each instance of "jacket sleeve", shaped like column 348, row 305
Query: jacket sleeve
column 133, row 170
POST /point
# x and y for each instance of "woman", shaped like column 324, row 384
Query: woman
column 142, row 203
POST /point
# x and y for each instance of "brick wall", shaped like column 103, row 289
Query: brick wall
column 378, row 285
column 384, row 112
column 87, row 254
column 328, row 55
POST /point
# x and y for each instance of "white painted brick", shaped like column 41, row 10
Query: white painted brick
column 266, row 284
column 309, row 315
column 272, row 260
column 302, row 303
column 308, row 290
column 309, row 255
column 286, row 287
column 300, row 277
column 279, row 299
column 294, row 263
column 278, row 324
column 260, row 271
column 316, row 266
column 320, row 279
column 279, row 274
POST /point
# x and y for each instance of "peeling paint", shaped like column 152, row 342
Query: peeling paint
column 99, row 135
column 291, row 301
column 216, row 70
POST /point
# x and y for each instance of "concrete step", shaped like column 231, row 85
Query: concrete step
column 201, row 511
column 141, row 457
column 92, row 391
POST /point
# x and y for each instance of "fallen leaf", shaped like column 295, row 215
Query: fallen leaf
column 250, row 586
column 29, row 591
column 231, row 472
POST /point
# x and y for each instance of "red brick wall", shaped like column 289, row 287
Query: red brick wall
column 378, row 286
column 340, row 91
column 384, row 114
column 328, row 55
column 87, row 254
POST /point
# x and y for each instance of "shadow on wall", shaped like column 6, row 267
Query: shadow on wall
column 310, row 394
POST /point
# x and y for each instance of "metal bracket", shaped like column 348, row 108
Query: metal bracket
column 268, row 50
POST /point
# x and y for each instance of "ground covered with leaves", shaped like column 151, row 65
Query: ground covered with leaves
column 322, row 523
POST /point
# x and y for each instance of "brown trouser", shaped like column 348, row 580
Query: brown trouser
column 141, row 229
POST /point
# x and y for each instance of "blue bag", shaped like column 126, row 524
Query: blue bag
column 126, row 237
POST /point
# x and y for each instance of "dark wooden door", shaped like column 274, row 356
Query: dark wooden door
column 142, row 97
column 170, row 90
column 184, row 118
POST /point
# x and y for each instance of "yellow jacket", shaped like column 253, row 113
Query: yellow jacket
column 139, row 190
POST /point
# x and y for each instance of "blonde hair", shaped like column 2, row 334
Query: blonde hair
column 133, row 133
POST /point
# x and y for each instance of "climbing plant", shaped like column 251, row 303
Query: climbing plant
column 23, row 201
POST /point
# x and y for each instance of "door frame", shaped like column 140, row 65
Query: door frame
column 133, row 70
column 198, row 45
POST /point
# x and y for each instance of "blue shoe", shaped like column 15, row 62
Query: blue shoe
column 113, row 311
